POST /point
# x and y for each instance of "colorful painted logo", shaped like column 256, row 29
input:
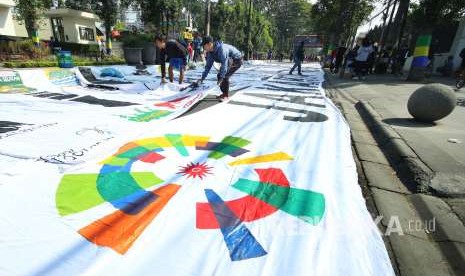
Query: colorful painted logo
column 10, row 82
column 61, row 77
column 127, row 181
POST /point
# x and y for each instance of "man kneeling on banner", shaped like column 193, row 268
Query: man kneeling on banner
column 230, row 59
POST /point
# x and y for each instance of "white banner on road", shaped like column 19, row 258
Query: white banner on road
column 264, row 184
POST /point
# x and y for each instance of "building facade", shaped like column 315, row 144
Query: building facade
column 65, row 25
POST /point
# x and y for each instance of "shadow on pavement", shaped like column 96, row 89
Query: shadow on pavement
column 407, row 122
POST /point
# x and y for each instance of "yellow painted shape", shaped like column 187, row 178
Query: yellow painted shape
column 277, row 156
column 191, row 140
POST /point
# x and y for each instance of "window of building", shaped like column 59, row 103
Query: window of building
column 57, row 28
column 86, row 33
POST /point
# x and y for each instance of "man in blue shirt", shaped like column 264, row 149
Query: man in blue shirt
column 230, row 59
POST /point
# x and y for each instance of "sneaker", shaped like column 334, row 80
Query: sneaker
column 290, row 73
column 300, row 74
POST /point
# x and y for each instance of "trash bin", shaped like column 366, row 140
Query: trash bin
column 65, row 59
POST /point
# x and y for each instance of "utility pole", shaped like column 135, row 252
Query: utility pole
column 249, row 34
column 207, row 18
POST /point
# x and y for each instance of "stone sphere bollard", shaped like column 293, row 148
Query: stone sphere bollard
column 431, row 102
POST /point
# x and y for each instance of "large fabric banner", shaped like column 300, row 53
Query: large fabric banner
column 66, row 123
column 264, row 184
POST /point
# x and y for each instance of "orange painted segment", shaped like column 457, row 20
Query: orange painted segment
column 126, row 147
column 120, row 230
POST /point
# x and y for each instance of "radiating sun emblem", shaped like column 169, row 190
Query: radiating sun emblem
column 194, row 170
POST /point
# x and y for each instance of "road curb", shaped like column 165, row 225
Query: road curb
column 408, row 164
column 400, row 152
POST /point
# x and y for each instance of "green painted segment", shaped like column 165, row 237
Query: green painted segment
column 133, row 153
column 306, row 205
column 152, row 146
column 424, row 40
column 116, row 185
column 222, row 150
column 76, row 193
column 59, row 74
column 117, row 161
column 176, row 141
column 228, row 145
column 147, row 116
column 146, row 179
column 271, row 194
column 235, row 141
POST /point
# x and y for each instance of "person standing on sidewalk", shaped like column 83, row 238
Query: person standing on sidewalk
column 462, row 55
column 361, row 60
column 173, row 52
column 197, row 44
column 230, row 59
column 341, row 51
column 298, row 58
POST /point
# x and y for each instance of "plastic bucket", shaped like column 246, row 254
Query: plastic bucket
column 65, row 59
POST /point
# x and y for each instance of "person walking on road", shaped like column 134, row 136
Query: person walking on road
column 173, row 52
column 298, row 58
column 230, row 59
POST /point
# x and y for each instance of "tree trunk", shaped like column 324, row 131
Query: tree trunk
column 383, row 29
column 108, row 34
column 249, row 19
column 388, row 28
column 29, row 24
column 207, row 18
column 399, row 21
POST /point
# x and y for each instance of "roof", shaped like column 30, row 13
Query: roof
column 71, row 13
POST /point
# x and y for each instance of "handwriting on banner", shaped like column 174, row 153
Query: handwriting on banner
column 12, row 128
column 72, row 155
column 309, row 116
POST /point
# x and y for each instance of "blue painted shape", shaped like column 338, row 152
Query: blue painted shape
column 241, row 243
column 134, row 203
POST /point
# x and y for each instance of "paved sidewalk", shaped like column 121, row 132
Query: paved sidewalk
column 440, row 146
column 414, row 172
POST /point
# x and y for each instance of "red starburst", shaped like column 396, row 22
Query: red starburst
column 194, row 170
